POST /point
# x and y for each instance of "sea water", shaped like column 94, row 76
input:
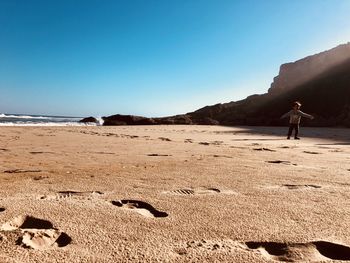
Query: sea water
column 41, row 120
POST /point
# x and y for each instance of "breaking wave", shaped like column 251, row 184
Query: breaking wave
column 38, row 120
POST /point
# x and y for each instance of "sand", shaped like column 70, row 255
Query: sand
column 174, row 194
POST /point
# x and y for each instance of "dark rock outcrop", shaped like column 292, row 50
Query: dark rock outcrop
column 178, row 119
column 89, row 119
column 185, row 119
column 119, row 119
column 138, row 120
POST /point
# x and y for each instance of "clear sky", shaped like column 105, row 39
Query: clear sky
column 153, row 57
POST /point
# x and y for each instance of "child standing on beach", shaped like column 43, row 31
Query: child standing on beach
column 294, row 119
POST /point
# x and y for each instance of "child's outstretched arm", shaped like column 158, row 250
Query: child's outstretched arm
column 286, row 114
column 306, row 115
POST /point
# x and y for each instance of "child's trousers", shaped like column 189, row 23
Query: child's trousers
column 292, row 127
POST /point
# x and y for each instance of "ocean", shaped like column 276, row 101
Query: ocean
column 41, row 120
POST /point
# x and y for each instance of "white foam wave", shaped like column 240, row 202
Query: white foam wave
column 46, row 124
column 24, row 117
column 100, row 121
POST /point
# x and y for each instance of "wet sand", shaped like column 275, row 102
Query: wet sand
column 174, row 194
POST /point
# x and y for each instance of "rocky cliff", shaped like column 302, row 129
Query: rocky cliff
column 299, row 72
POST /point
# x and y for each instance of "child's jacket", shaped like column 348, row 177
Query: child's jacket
column 295, row 116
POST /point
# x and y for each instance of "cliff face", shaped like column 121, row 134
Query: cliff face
column 297, row 73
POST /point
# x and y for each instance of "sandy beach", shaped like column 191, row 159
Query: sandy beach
column 174, row 194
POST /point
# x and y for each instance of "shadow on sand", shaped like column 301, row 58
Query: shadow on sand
column 340, row 135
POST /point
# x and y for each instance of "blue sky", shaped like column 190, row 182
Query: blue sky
column 153, row 57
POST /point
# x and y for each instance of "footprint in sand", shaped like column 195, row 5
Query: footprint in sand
column 281, row 162
column 310, row 152
column 315, row 251
column 41, row 152
column 71, row 194
column 36, row 233
column 211, row 245
column 26, row 222
column 198, row 191
column 110, row 134
column 140, row 207
column 264, row 149
column 222, row 156
column 299, row 186
column 129, row 136
column 157, row 154
column 336, row 151
column 38, row 178
column 164, row 139
column 288, row 147
column 43, row 239
column 22, row 171
column 217, row 142
column 103, row 152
